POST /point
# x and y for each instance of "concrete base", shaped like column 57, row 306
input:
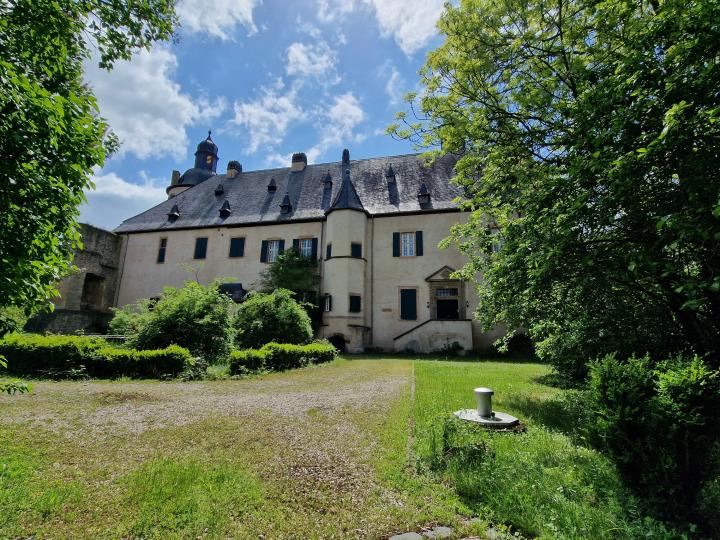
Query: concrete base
column 499, row 420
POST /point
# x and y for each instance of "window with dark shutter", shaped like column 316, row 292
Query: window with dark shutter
column 396, row 244
column 408, row 304
column 355, row 304
column 418, row 243
column 314, row 249
column 161, row 250
column 356, row 250
column 237, row 247
column 263, row 251
column 200, row 248
column 328, row 251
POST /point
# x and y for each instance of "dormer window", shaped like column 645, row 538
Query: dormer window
column 285, row 205
column 225, row 210
column 272, row 186
column 219, row 190
column 423, row 195
column 174, row 213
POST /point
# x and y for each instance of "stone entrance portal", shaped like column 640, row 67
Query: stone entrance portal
column 447, row 296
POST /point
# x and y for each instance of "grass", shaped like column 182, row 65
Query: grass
column 320, row 452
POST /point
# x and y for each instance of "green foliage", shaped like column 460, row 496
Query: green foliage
column 129, row 319
column 47, row 355
column 588, row 132
column 281, row 356
column 263, row 318
column 660, row 425
column 196, row 317
column 51, row 135
column 291, row 271
column 186, row 498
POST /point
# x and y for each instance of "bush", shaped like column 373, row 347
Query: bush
column 281, row 356
column 196, row 317
column 275, row 317
column 128, row 320
column 660, row 424
column 42, row 355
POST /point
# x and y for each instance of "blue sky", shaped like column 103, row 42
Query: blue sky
column 270, row 78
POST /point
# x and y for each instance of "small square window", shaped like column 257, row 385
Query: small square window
column 355, row 303
column 237, row 247
column 273, row 250
column 200, row 248
column 306, row 247
column 161, row 251
column 407, row 244
column 356, row 250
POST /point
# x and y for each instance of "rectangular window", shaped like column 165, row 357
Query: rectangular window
column 237, row 247
column 327, row 306
column 200, row 248
column 273, row 250
column 355, row 304
column 161, row 250
column 407, row 244
column 446, row 291
column 328, row 251
column 497, row 240
column 356, row 250
column 305, row 247
column 408, row 304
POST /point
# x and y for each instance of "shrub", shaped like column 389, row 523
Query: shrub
column 196, row 317
column 42, row 355
column 275, row 317
column 281, row 356
column 660, row 424
column 129, row 319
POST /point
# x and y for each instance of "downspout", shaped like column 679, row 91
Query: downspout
column 122, row 269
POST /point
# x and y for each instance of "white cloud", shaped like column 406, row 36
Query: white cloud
column 268, row 117
column 145, row 107
column 312, row 60
column 409, row 22
column 394, row 82
column 337, row 125
column 217, row 18
column 115, row 199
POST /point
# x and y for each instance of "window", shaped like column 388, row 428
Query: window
column 356, row 250
column 327, row 306
column 273, row 250
column 407, row 243
column 305, row 247
column 497, row 240
column 161, row 250
column 408, row 304
column 237, row 247
column 355, row 304
column 446, row 291
column 200, row 248
column 328, row 251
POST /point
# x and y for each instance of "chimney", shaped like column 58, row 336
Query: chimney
column 299, row 162
column 346, row 157
column 175, row 178
column 233, row 169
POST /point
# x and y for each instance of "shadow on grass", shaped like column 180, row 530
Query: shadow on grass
column 566, row 413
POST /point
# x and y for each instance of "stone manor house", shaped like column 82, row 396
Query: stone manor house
column 373, row 224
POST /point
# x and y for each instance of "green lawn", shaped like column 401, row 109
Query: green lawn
column 321, row 452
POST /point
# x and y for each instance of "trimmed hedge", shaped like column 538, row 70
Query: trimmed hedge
column 280, row 356
column 30, row 354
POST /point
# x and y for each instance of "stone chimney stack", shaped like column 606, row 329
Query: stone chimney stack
column 299, row 162
column 233, row 169
column 346, row 157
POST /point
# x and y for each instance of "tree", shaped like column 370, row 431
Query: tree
column 51, row 136
column 589, row 133
column 291, row 271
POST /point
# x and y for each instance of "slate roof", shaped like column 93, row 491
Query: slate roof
column 311, row 195
column 347, row 197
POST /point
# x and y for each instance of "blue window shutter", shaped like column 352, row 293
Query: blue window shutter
column 242, row 247
column 328, row 251
column 263, row 251
column 237, row 247
column 200, row 248
column 418, row 243
column 313, row 254
column 396, row 244
column 296, row 244
column 281, row 247
column 408, row 304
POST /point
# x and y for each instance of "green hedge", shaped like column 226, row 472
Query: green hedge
column 280, row 356
column 30, row 354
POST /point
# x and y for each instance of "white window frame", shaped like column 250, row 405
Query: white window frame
column 407, row 244
column 305, row 247
column 328, row 303
column 273, row 250
column 497, row 240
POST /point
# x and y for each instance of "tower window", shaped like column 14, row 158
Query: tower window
column 355, row 303
column 356, row 250
column 200, row 248
column 327, row 306
column 328, row 251
column 161, row 251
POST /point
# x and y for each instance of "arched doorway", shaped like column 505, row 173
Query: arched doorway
column 338, row 341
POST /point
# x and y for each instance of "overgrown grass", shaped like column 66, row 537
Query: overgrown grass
column 539, row 482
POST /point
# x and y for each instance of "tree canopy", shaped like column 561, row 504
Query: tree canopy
column 589, row 133
column 51, row 134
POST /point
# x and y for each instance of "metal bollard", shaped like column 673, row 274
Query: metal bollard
column 484, row 402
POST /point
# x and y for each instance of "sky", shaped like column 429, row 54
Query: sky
column 269, row 78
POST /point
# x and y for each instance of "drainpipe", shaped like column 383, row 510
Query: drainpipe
column 121, row 269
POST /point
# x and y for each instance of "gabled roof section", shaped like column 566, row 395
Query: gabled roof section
column 310, row 196
column 347, row 198
column 443, row 274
